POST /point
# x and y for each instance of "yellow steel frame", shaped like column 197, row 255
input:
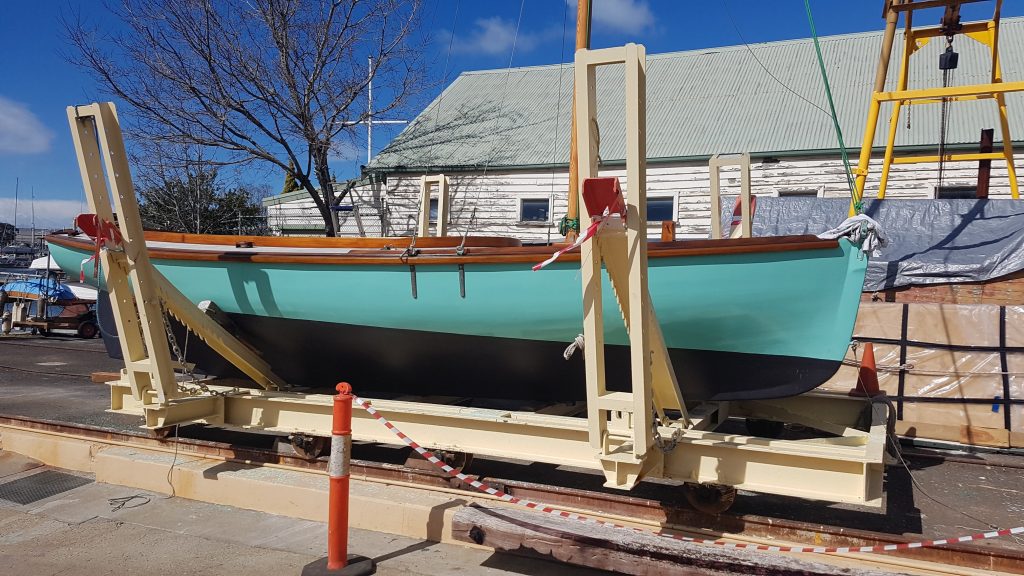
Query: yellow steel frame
column 986, row 33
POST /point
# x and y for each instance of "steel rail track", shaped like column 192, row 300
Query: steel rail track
column 669, row 515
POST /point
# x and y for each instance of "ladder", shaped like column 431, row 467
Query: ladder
column 986, row 33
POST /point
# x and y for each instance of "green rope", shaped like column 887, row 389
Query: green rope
column 858, row 204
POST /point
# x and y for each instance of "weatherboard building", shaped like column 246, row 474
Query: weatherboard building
column 502, row 137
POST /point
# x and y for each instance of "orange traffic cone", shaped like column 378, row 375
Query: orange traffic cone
column 867, row 378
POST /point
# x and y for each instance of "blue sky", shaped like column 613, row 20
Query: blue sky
column 37, row 84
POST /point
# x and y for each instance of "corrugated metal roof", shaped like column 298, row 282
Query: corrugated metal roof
column 703, row 102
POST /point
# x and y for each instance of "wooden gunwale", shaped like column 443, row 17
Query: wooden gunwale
column 427, row 256
column 400, row 242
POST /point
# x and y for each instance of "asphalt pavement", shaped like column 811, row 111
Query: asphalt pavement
column 48, row 378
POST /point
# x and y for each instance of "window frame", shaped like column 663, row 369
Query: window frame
column 519, row 214
column 674, row 196
column 798, row 191
column 434, row 207
column 973, row 188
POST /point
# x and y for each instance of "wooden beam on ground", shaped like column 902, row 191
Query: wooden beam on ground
column 625, row 551
column 104, row 377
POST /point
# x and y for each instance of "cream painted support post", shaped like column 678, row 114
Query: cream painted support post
column 443, row 205
column 590, row 260
column 138, row 291
column 134, row 299
column 639, row 312
column 621, row 424
column 714, row 166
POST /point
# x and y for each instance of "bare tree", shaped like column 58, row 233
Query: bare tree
column 281, row 82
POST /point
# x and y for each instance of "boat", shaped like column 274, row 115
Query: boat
column 744, row 319
column 45, row 303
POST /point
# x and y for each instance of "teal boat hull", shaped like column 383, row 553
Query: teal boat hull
column 748, row 325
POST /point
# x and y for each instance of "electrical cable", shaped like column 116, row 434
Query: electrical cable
column 944, row 119
column 447, row 59
column 728, row 13
column 508, row 74
column 558, row 117
column 43, row 372
column 122, row 502
column 893, row 440
column 174, row 462
column 48, row 347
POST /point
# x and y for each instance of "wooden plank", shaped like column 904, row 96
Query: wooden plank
column 1007, row 291
column 104, row 377
column 536, row 534
column 1017, row 439
column 668, row 231
column 970, row 435
column 322, row 242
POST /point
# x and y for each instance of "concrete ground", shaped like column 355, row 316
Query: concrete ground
column 48, row 378
column 100, row 529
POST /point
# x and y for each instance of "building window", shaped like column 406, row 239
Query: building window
column 661, row 208
column 956, row 191
column 798, row 192
column 433, row 210
column 535, row 210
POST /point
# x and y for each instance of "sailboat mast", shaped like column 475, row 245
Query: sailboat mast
column 33, row 217
column 583, row 19
column 17, row 182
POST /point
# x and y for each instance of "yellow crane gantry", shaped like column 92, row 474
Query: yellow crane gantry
column 984, row 32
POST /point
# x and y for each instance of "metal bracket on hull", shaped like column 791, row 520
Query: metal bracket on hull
column 139, row 293
column 622, row 425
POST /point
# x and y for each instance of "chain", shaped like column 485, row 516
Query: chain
column 664, row 445
column 944, row 121
column 193, row 386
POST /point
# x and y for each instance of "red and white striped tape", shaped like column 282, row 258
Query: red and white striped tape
column 587, row 234
column 536, row 506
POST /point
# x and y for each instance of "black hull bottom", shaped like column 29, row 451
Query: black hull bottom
column 320, row 354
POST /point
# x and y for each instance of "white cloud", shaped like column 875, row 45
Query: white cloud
column 625, row 16
column 49, row 213
column 20, row 131
column 495, row 36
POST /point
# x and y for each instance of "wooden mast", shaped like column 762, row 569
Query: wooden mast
column 583, row 13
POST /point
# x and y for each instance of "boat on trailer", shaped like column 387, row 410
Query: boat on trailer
column 743, row 319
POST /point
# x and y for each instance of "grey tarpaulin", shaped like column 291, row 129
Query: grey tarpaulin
column 930, row 241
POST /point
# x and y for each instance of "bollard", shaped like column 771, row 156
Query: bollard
column 338, row 560
column 341, row 448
